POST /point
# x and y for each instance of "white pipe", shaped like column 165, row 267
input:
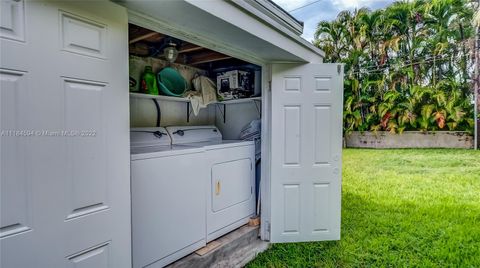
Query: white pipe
column 476, row 80
column 476, row 116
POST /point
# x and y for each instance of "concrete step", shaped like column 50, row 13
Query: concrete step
column 236, row 250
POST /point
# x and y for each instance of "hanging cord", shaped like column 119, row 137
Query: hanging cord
column 181, row 132
column 159, row 113
column 157, row 133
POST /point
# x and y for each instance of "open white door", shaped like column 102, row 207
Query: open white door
column 306, row 152
column 64, row 173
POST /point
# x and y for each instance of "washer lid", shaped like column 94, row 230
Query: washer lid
column 149, row 136
column 192, row 134
column 147, row 152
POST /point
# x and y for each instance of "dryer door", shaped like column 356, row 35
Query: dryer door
column 230, row 183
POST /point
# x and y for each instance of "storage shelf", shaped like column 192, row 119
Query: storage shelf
column 234, row 101
column 218, row 105
column 181, row 99
column 158, row 97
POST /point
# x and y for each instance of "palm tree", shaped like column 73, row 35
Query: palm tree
column 407, row 66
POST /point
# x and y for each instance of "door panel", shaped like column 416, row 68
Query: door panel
column 322, row 138
column 15, row 217
column 12, row 23
column 83, row 36
column 292, row 114
column 322, row 206
column 97, row 256
column 291, row 196
column 306, row 152
column 65, row 167
column 87, row 171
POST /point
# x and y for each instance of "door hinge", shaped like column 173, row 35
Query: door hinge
column 268, row 227
column 339, row 69
column 270, row 86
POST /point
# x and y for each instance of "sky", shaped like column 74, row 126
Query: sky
column 324, row 10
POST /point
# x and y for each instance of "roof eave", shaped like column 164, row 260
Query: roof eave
column 278, row 14
column 279, row 19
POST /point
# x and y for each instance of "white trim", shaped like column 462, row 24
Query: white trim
column 476, row 143
column 265, row 153
column 275, row 14
column 256, row 8
column 476, row 86
column 251, row 22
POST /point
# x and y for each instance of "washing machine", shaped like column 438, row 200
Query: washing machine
column 168, row 198
column 230, row 191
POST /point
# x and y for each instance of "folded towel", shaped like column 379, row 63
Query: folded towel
column 204, row 94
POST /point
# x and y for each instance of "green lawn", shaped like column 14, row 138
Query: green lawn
column 415, row 208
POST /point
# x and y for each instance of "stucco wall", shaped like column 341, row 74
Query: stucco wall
column 409, row 139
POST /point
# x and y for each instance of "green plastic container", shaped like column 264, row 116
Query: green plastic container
column 149, row 82
column 171, row 83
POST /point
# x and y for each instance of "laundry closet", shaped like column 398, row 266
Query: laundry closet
column 195, row 155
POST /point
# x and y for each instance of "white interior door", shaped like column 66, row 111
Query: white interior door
column 306, row 152
column 65, row 185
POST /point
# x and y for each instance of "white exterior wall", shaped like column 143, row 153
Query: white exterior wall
column 237, row 117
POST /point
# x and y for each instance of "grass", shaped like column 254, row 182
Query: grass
column 400, row 208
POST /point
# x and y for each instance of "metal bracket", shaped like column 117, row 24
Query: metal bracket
column 258, row 107
column 224, row 112
column 189, row 112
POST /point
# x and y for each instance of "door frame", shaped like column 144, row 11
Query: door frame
column 194, row 38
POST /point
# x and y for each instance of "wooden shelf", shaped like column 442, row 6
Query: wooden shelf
column 181, row 99
column 158, row 97
column 235, row 101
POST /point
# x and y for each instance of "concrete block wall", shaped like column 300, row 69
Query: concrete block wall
column 409, row 139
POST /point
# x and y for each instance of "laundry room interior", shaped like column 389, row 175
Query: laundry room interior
column 195, row 118
column 191, row 60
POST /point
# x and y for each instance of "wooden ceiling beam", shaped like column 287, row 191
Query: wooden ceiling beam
column 143, row 37
column 207, row 57
column 189, row 48
column 139, row 49
column 219, row 58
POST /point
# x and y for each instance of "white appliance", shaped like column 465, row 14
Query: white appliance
column 231, row 176
column 168, row 198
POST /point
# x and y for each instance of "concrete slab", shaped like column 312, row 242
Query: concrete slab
column 236, row 250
